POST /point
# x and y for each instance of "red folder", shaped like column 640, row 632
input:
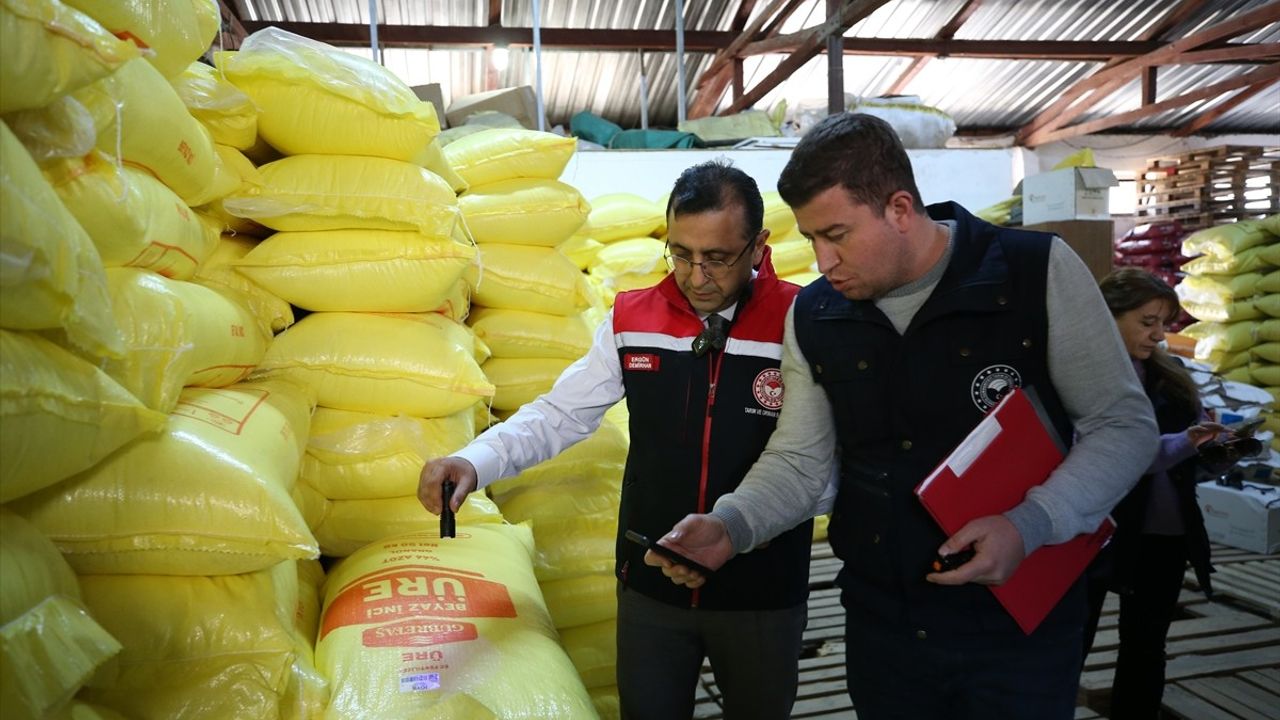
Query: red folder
column 1012, row 450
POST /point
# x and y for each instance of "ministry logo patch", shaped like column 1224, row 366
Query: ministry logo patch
column 768, row 389
column 992, row 384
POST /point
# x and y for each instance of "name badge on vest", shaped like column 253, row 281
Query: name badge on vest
column 642, row 362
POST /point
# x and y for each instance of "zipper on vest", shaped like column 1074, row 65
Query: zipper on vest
column 713, row 380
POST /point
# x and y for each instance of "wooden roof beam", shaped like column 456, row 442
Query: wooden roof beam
column 230, row 19
column 711, row 84
column 1091, row 90
column 1266, row 75
column 985, row 49
column 852, row 12
column 948, row 31
column 495, row 13
column 1221, row 109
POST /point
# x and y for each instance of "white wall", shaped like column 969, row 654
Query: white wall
column 1130, row 153
column 974, row 178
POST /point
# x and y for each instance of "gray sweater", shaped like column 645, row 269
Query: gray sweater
column 1116, row 434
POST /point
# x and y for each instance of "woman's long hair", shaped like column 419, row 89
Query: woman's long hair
column 1130, row 288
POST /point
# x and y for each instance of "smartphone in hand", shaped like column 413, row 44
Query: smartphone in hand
column 667, row 553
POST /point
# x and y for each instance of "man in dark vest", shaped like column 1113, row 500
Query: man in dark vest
column 697, row 357
column 922, row 320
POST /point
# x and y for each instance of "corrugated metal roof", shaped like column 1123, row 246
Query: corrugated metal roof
column 978, row 93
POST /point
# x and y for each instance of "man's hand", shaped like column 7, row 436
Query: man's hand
column 997, row 545
column 435, row 472
column 701, row 538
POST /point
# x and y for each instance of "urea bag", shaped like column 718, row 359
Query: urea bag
column 518, row 277
column 198, row 647
column 581, row 600
column 133, row 219
column 1264, row 374
column 313, row 98
column 581, row 250
column 58, row 414
column 521, row 380
column 359, row 270
column 1255, row 259
column 172, row 32
column 434, row 160
column 599, row 458
column 422, row 366
column 349, row 525
column 633, row 256
column 218, row 272
column 503, row 153
column 792, row 257
column 227, row 113
column 178, row 334
column 523, row 211
column 779, row 219
column 52, row 275
column 1219, row 312
column 51, row 49
column 606, row 701
column 1225, row 241
column 342, row 192
column 615, row 216
column 523, row 334
column 49, row 645
column 414, row 622
column 1221, row 289
column 594, row 651
column 1269, row 351
column 139, row 116
column 353, row 455
column 579, row 546
column 209, row 495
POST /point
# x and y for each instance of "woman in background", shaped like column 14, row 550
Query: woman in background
column 1159, row 528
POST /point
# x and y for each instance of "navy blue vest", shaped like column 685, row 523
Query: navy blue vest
column 902, row 403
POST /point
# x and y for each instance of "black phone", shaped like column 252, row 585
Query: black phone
column 1245, row 428
column 947, row 563
column 667, row 553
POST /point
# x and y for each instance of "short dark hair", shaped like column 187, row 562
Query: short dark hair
column 716, row 185
column 860, row 153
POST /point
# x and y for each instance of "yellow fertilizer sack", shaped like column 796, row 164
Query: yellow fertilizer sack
column 1226, row 241
column 779, row 220
column 423, row 367
column 599, row 458
column 173, row 33
column 550, row 505
column 227, row 113
column 178, row 334
column 623, row 215
column 349, row 525
column 342, row 192
column 209, row 495
column 523, row 211
column 218, row 272
column 1232, row 337
column 1269, row 352
column 581, row 250
column 232, row 173
column 434, row 160
column 205, row 648
column 314, row 98
column 1265, row 374
column 522, row 334
column 605, row 699
column 58, row 414
column 414, row 622
column 594, row 651
column 581, row 600
column 802, row 278
column 457, row 305
column 353, row 455
column 53, row 276
column 359, row 270
column 49, row 645
column 793, row 257
column 633, row 256
column 132, row 218
column 51, row 49
column 1219, row 312
column 517, row 277
column 1219, row 289
column 1270, row 283
column 579, row 546
column 504, row 153
column 139, row 116
column 1255, row 259
column 1269, row 304
column 521, row 380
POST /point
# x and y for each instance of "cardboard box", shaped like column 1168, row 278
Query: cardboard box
column 518, row 102
column 433, row 94
column 1091, row 239
column 1067, row 194
column 1240, row 518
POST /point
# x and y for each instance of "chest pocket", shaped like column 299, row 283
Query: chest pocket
column 856, row 378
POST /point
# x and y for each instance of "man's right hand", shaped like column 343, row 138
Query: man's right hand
column 436, row 472
column 701, row 538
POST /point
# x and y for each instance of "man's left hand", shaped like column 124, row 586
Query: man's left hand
column 998, row 551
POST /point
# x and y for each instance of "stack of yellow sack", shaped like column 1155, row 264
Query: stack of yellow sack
column 419, row 626
column 793, row 257
column 532, row 296
column 617, row 245
column 571, row 501
column 1233, row 289
column 368, row 240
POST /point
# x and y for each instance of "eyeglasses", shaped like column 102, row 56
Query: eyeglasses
column 713, row 269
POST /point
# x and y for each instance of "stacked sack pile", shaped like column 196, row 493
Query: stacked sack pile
column 366, row 241
column 128, row 439
column 793, row 257
column 1156, row 248
column 530, row 298
column 621, row 246
column 1233, row 289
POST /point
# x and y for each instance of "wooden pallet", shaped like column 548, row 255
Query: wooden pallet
column 1250, row 694
column 1210, row 186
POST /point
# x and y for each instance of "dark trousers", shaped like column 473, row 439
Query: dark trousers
column 755, row 656
column 894, row 674
column 1146, row 610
